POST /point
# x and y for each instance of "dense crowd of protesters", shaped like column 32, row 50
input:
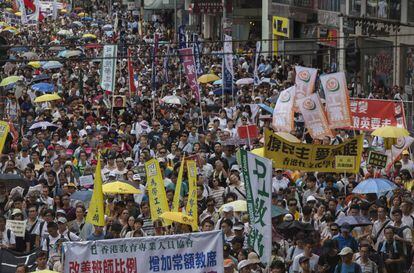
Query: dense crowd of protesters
column 54, row 161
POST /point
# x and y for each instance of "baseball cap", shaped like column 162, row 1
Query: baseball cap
column 238, row 226
column 235, row 168
column 405, row 152
column 61, row 211
column 345, row 251
column 136, row 177
column 62, row 220
column 228, row 263
column 243, row 264
column 311, row 198
column 16, row 211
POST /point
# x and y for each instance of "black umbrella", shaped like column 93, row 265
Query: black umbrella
column 290, row 228
column 13, row 180
column 41, row 77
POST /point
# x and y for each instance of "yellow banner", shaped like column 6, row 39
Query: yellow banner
column 345, row 162
column 280, row 26
column 95, row 214
column 156, row 191
column 4, row 131
column 191, row 208
column 177, row 192
column 310, row 157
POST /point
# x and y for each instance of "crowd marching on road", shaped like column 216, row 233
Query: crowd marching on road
column 66, row 127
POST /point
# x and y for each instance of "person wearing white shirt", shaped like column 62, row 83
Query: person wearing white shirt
column 406, row 162
column 23, row 159
column 279, row 182
column 8, row 239
column 307, row 252
column 64, row 232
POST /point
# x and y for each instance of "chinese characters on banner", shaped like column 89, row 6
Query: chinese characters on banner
column 304, row 81
column 191, row 208
column 283, row 114
column 256, row 63
column 4, row 131
column 109, row 67
column 156, row 191
column 257, row 177
column 228, row 73
column 310, row 157
column 377, row 159
column 131, row 81
column 186, row 253
column 182, row 40
column 197, row 54
column 187, row 57
column 314, row 116
column 369, row 115
column 337, row 100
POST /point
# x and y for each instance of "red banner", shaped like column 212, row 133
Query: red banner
column 369, row 115
column 131, row 82
column 248, row 132
column 187, row 58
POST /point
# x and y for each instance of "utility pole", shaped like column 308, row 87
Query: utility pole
column 175, row 21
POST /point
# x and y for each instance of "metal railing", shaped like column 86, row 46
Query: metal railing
column 296, row 3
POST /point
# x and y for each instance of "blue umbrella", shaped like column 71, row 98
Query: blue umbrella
column 266, row 107
column 277, row 211
column 353, row 221
column 218, row 82
column 43, row 87
column 87, row 19
column 19, row 49
column 84, row 196
column 374, row 185
column 41, row 77
column 219, row 91
column 52, row 65
column 9, row 87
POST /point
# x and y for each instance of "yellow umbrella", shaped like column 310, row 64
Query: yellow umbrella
column 88, row 35
column 47, row 97
column 46, row 271
column 177, row 217
column 238, row 205
column 63, row 10
column 3, row 24
column 9, row 9
column 206, row 78
column 18, row 13
column 82, row 14
column 9, row 80
column 35, row 64
column 11, row 29
column 390, row 132
column 119, row 187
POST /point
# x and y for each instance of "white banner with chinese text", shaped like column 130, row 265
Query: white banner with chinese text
column 257, row 177
column 109, row 67
column 191, row 253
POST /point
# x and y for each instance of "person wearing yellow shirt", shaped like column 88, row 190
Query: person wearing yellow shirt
column 292, row 205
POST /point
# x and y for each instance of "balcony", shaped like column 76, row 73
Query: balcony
column 297, row 3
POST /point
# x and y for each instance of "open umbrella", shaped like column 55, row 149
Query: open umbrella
column 219, row 91
column 353, row 221
column 244, row 81
column 119, row 187
column 88, row 36
column 52, row 65
column 238, row 205
column 87, row 19
column 218, row 82
column 64, row 32
column 107, row 27
column 69, row 53
column 278, row 211
column 267, row 108
column 43, row 87
column 40, row 78
column 46, row 271
column 47, row 97
column 75, row 24
column 82, row 14
column 43, row 125
column 84, row 196
column 206, row 78
column 9, row 80
column 290, row 228
column 178, row 217
column 174, row 100
column 374, row 185
column 13, row 180
column 390, row 132
column 30, row 55
column 35, row 64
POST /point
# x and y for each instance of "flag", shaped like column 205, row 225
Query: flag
column 4, row 132
column 256, row 63
column 197, row 54
column 182, row 41
column 95, row 214
column 283, row 113
column 131, row 81
column 192, row 206
column 177, row 192
column 337, row 100
column 257, row 177
column 156, row 191
column 22, row 9
column 55, row 9
column 314, row 116
column 304, row 81
column 109, row 67
column 227, row 68
column 187, row 58
column 165, row 65
column 156, row 43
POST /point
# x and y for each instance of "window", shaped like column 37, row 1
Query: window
column 332, row 5
column 386, row 9
column 355, row 7
column 410, row 13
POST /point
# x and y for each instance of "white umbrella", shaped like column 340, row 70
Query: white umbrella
column 244, row 81
column 174, row 100
column 64, row 32
column 52, row 65
column 42, row 125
